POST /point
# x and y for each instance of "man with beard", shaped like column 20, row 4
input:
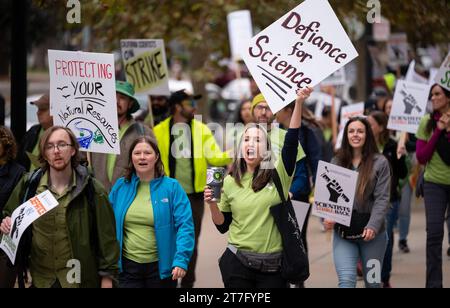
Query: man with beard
column 187, row 147
column 159, row 109
column 81, row 228
column 108, row 168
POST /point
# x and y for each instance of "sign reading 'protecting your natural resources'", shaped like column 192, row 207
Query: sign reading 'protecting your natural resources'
column 83, row 98
column 300, row 49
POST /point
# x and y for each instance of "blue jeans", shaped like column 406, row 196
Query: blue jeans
column 347, row 253
column 404, row 212
column 391, row 218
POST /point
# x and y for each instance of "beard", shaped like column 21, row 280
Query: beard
column 159, row 110
column 187, row 115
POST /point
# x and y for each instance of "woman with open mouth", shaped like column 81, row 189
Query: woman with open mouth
column 154, row 222
column 253, row 255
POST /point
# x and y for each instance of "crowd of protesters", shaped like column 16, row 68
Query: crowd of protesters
column 134, row 219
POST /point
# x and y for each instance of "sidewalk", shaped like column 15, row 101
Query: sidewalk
column 408, row 269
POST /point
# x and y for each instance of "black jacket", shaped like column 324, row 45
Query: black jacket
column 398, row 167
column 27, row 144
column 10, row 175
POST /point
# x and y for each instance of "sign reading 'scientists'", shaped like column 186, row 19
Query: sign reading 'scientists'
column 300, row 49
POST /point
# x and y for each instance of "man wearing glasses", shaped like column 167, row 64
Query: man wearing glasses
column 187, row 147
column 78, row 236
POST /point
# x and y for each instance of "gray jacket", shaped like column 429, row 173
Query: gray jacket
column 98, row 160
column 377, row 194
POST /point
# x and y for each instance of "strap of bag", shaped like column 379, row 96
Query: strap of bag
column 277, row 182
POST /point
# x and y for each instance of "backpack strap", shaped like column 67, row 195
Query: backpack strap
column 277, row 182
column 32, row 184
column 90, row 196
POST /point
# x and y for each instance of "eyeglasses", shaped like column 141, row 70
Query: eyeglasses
column 62, row 146
column 260, row 108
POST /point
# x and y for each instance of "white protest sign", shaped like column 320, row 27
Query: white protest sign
column 146, row 66
column 334, row 193
column 300, row 49
column 240, row 32
column 22, row 217
column 409, row 106
column 322, row 100
column 443, row 76
column 301, row 211
column 412, row 76
column 335, row 79
column 398, row 49
column 83, row 98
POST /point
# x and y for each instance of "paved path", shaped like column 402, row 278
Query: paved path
column 408, row 269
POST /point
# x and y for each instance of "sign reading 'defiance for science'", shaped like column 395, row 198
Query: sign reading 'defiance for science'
column 409, row 106
column 334, row 193
column 300, row 49
column 146, row 66
column 83, row 98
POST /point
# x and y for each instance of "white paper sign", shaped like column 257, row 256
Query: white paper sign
column 301, row 211
column 443, row 76
column 83, row 98
column 146, row 66
column 398, row 49
column 322, row 100
column 335, row 79
column 24, row 216
column 412, row 76
column 240, row 32
column 351, row 111
column 334, row 193
column 300, row 49
column 409, row 106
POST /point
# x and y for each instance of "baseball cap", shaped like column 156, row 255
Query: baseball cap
column 42, row 102
column 181, row 95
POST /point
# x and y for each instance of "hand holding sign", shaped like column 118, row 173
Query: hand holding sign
column 5, row 227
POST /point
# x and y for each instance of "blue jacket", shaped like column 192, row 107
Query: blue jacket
column 174, row 226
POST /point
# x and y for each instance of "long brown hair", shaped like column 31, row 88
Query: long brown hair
column 345, row 156
column 263, row 172
column 75, row 160
column 9, row 144
column 432, row 124
column 159, row 167
column 382, row 120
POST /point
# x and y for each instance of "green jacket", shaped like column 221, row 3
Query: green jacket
column 98, row 255
column 206, row 151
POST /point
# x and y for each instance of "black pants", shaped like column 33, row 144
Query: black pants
column 437, row 199
column 236, row 275
column 136, row 275
column 7, row 272
column 198, row 209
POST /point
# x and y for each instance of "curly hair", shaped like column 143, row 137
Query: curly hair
column 8, row 143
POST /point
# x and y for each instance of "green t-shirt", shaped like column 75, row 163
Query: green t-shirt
column 111, row 158
column 139, row 242
column 183, row 162
column 436, row 171
column 277, row 136
column 253, row 228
